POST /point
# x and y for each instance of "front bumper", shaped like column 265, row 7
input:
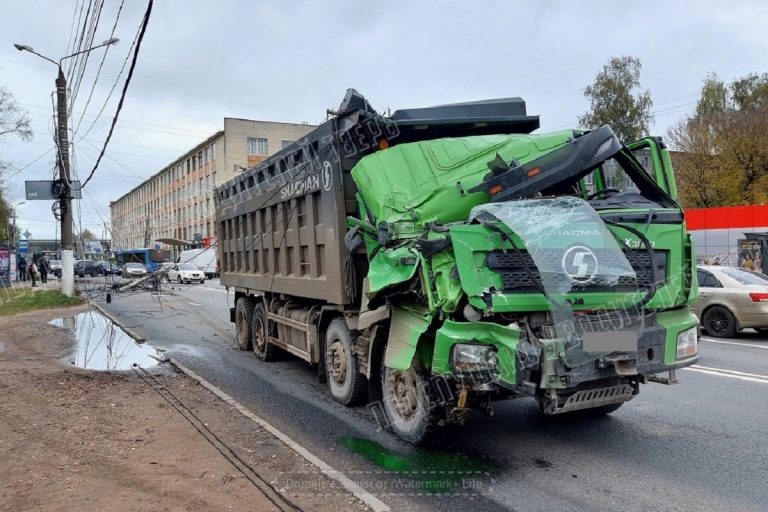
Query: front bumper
column 519, row 360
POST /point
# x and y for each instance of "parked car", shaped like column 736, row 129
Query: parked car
column 86, row 268
column 731, row 299
column 186, row 273
column 203, row 259
column 108, row 268
column 53, row 265
column 133, row 270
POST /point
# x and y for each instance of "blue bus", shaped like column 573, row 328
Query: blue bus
column 150, row 258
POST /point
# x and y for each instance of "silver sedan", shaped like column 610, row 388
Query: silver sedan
column 731, row 299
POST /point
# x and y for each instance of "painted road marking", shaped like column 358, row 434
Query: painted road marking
column 353, row 487
column 710, row 340
column 193, row 303
column 749, row 377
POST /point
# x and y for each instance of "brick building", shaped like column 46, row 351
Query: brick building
column 176, row 203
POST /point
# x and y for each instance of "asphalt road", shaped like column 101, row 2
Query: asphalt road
column 698, row 445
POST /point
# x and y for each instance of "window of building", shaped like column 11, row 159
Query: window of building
column 189, row 166
column 257, row 146
column 286, row 143
column 205, row 156
column 213, row 152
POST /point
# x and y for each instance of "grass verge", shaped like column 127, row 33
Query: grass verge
column 19, row 301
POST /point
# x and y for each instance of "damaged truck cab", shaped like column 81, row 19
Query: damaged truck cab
column 478, row 262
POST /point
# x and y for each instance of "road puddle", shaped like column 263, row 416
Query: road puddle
column 423, row 471
column 102, row 345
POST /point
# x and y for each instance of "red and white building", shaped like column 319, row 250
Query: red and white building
column 717, row 231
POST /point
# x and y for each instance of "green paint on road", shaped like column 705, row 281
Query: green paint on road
column 426, row 471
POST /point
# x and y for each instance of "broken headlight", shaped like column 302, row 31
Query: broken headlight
column 474, row 359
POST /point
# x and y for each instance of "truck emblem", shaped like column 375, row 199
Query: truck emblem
column 327, row 177
column 580, row 264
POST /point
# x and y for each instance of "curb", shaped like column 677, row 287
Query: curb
column 366, row 497
column 130, row 332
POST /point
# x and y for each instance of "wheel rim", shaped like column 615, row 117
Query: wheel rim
column 404, row 390
column 718, row 322
column 337, row 356
column 259, row 335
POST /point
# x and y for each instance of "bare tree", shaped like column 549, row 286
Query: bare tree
column 13, row 121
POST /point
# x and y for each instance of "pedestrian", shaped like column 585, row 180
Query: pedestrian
column 33, row 273
column 44, row 269
column 23, row 268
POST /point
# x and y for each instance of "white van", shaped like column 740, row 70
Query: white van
column 203, row 259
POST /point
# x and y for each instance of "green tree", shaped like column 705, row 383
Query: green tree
column 721, row 150
column 616, row 98
column 13, row 121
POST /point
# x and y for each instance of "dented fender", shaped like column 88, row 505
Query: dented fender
column 405, row 330
column 504, row 338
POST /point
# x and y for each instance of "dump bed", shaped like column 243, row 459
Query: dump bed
column 281, row 223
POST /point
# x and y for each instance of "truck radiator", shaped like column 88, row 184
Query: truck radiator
column 515, row 278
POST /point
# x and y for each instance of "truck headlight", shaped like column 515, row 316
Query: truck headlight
column 469, row 359
column 687, row 343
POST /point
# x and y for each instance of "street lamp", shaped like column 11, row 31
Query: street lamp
column 14, row 242
column 65, row 196
column 67, row 240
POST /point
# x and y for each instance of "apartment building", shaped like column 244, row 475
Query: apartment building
column 175, row 206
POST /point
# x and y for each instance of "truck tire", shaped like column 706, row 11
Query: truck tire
column 244, row 322
column 263, row 349
column 409, row 403
column 345, row 381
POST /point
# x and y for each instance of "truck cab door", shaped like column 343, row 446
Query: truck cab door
column 654, row 155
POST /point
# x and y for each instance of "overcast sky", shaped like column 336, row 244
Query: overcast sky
column 290, row 60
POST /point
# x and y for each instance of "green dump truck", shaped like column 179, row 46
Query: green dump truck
column 440, row 259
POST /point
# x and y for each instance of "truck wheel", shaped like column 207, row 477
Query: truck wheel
column 346, row 383
column 409, row 403
column 718, row 321
column 244, row 321
column 263, row 349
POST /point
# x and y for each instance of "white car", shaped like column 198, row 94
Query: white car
column 185, row 273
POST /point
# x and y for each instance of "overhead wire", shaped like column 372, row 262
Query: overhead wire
column 114, row 85
column 142, row 31
column 81, row 61
column 98, row 71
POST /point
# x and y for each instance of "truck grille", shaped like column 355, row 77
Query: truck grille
column 511, row 265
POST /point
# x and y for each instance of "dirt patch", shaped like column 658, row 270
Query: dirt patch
column 73, row 439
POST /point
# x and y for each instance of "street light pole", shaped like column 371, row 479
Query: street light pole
column 67, row 240
column 65, row 191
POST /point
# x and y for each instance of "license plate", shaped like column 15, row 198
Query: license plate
column 610, row 341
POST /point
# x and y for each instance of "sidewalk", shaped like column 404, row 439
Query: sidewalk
column 74, row 439
column 53, row 284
